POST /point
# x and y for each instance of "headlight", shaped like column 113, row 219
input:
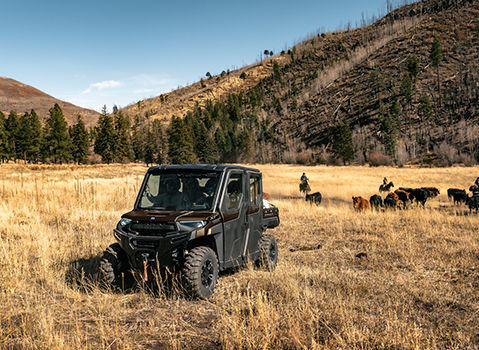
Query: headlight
column 192, row 225
column 123, row 222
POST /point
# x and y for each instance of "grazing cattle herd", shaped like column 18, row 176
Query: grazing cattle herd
column 405, row 196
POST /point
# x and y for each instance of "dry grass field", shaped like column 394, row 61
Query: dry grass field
column 417, row 287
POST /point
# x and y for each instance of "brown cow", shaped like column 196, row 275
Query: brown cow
column 361, row 204
column 403, row 197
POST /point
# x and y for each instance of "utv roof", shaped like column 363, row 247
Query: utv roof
column 207, row 167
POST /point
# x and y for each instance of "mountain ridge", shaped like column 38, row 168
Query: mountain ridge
column 21, row 98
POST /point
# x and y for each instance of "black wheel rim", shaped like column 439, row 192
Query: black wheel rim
column 207, row 274
column 272, row 252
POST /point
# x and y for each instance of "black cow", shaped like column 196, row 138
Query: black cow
column 420, row 195
column 459, row 197
column 376, row 202
column 473, row 203
column 408, row 190
column 432, row 191
column 390, row 202
column 452, row 191
column 315, row 198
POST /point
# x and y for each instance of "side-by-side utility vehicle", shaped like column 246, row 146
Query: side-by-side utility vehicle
column 196, row 219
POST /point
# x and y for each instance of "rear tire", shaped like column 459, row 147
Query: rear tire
column 268, row 252
column 115, row 268
column 200, row 272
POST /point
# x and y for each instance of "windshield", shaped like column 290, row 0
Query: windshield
column 179, row 191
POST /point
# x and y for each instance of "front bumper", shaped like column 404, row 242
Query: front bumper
column 165, row 251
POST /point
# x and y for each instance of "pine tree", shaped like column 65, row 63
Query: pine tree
column 377, row 82
column 436, row 58
column 342, row 142
column 12, row 129
column 220, row 141
column 80, row 141
column 57, row 142
column 30, row 138
column 160, row 141
column 412, row 66
column 123, row 152
column 105, row 137
column 138, row 138
column 23, row 139
column 424, row 109
column 205, row 146
column 3, row 139
column 149, row 146
column 388, row 129
column 406, row 88
column 277, row 72
column 245, row 146
column 395, row 109
column 180, row 142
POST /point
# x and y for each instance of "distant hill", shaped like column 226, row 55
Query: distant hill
column 216, row 88
column 359, row 77
column 22, row 98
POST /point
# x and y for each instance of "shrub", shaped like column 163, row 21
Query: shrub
column 379, row 159
column 412, row 66
column 305, row 157
column 243, row 75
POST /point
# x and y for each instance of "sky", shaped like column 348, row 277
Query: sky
column 95, row 53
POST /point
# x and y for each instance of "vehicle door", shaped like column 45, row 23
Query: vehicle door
column 254, row 215
column 233, row 207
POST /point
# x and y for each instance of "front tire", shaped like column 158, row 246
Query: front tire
column 114, row 268
column 268, row 252
column 200, row 272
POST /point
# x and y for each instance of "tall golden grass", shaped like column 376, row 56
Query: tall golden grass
column 416, row 287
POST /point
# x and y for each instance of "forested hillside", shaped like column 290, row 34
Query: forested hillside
column 403, row 89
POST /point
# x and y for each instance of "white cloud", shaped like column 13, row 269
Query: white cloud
column 121, row 91
column 101, row 85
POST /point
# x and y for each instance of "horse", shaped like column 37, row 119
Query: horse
column 386, row 187
column 304, row 188
column 474, row 189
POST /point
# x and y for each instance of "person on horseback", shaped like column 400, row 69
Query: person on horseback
column 305, row 179
column 304, row 184
column 385, row 186
column 477, row 182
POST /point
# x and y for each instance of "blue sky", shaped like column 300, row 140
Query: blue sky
column 93, row 53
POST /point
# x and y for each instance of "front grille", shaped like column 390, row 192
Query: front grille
column 152, row 228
